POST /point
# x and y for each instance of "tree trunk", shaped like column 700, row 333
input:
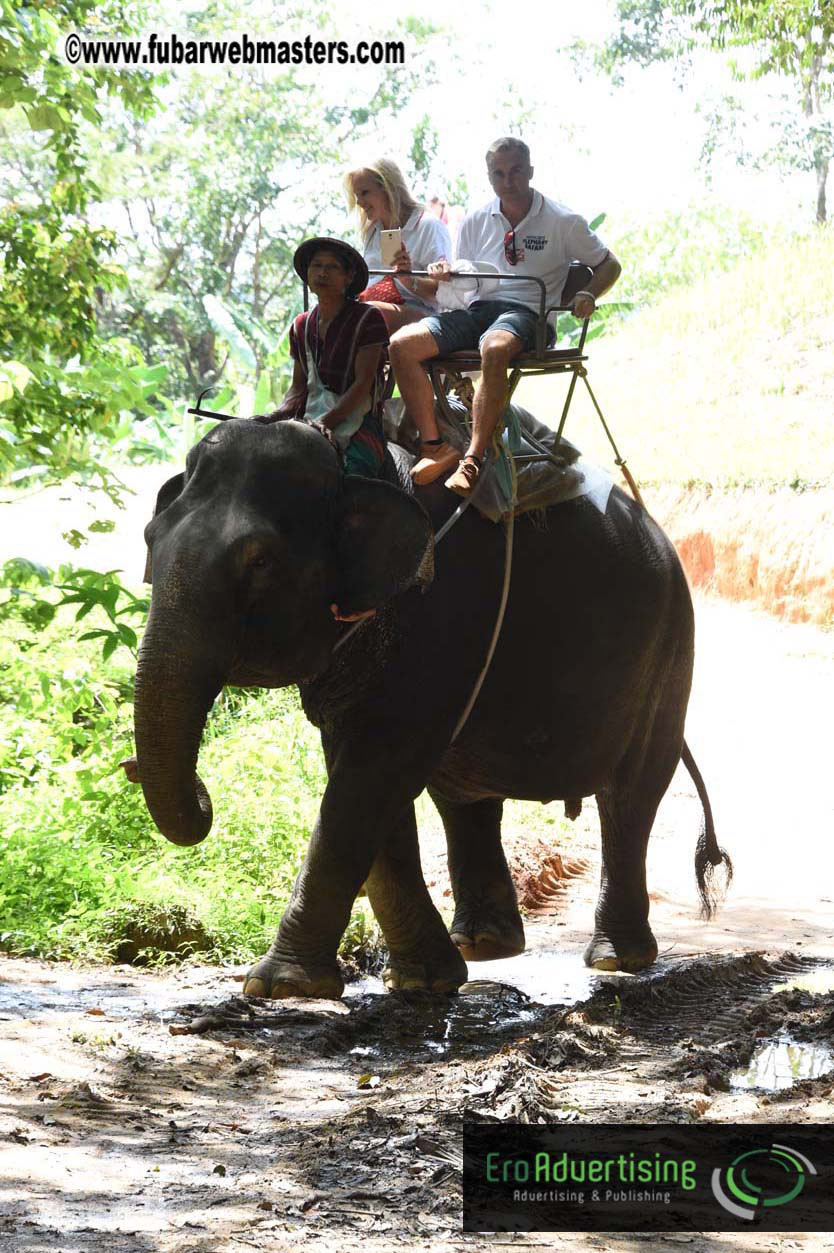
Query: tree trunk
column 822, row 178
column 812, row 105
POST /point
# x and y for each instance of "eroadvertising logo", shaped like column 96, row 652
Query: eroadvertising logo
column 655, row 1177
column 747, row 1193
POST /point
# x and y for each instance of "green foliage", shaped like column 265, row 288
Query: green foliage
column 66, row 389
column 63, row 389
column 648, row 31
column 32, row 596
column 253, row 346
column 76, row 840
column 660, row 253
column 363, row 944
column 85, row 873
column 722, row 381
column 793, row 37
column 52, row 266
column 56, row 98
column 140, row 933
column 90, row 589
column 423, row 156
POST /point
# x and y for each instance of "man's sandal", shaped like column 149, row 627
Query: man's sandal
column 436, row 457
column 466, row 476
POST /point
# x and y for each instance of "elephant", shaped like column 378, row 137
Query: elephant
column 261, row 550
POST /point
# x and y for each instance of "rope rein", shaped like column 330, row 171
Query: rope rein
column 509, row 527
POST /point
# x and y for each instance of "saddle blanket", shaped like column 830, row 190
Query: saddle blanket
column 539, row 484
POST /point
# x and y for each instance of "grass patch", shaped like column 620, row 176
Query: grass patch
column 725, row 383
column 76, row 840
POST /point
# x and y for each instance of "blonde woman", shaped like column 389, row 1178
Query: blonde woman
column 383, row 202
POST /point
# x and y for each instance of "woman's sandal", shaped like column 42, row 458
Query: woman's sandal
column 466, row 476
column 436, row 457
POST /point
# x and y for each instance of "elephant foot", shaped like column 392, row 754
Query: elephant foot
column 442, row 973
column 483, row 936
column 636, row 953
column 276, row 979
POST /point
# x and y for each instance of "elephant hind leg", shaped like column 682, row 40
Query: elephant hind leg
column 421, row 955
column 622, row 938
column 487, row 925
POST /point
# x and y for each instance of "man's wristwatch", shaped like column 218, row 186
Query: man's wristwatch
column 589, row 294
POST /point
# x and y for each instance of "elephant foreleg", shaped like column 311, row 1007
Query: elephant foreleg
column 421, row 955
column 487, row 924
column 347, row 837
column 301, row 961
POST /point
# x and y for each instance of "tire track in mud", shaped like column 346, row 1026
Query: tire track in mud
column 670, row 1046
column 542, row 877
column 728, row 989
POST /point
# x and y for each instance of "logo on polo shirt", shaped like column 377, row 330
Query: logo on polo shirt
column 536, row 243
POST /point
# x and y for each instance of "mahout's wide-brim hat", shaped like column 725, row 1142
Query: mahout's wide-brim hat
column 305, row 252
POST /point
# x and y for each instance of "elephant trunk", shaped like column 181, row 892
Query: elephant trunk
column 173, row 696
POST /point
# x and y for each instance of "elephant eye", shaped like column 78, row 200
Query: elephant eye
column 259, row 563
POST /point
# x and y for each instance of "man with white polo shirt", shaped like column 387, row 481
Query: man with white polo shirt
column 520, row 232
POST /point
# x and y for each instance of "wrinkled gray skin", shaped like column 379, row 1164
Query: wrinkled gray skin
column 586, row 694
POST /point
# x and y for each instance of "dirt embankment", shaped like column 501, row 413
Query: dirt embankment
column 774, row 549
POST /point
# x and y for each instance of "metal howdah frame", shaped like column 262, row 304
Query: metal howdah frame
column 576, row 275
column 542, row 360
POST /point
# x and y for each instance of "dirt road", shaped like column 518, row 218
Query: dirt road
column 329, row 1125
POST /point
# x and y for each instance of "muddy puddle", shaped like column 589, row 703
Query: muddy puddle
column 373, row 1028
column 150, row 1113
column 58, row 990
column 548, row 976
column 782, row 1062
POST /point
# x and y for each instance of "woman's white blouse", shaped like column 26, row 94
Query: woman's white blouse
column 426, row 239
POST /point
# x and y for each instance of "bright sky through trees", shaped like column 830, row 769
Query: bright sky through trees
column 631, row 149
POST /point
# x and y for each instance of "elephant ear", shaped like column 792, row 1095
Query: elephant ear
column 384, row 544
column 167, row 494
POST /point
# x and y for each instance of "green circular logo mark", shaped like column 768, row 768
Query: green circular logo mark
column 761, row 1178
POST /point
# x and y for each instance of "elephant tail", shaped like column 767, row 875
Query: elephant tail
column 708, row 854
